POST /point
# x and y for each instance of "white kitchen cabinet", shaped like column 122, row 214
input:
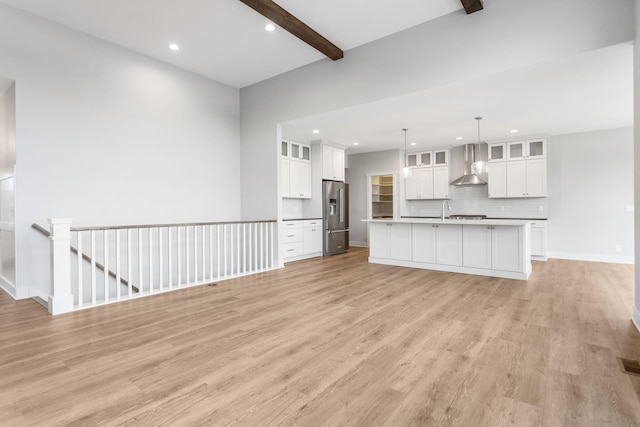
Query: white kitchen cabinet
column 529, row 149
column 285, row 178
column 332, row 163
column 539, row 240
column 506, row 248
column 497, row 152
column 441, row 157
column 441, row 182
column 493, row 247
column 299, row 179
column 390, row 240
column 299, row 151
column 476, row 241
column 301, row 239
column 419, row 184
column 424, row 158
column 427, row 183
column 527, row 178
column 497, row 179
column 424, row 243
column 449, row 244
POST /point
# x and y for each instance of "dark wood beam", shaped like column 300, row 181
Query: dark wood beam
column 472, row 5
column 284, row 19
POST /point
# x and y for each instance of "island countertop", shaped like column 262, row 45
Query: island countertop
column 486, row 221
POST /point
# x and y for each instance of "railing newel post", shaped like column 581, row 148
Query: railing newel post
column 60, row 298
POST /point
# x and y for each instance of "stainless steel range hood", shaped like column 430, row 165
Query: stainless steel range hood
column 469, row 178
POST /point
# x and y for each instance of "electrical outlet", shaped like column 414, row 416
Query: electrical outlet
column 630, row 208
column 540, row 208
column 618, row 248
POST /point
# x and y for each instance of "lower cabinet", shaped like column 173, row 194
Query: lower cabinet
column 301, row 239
column 390, row 240
column 539, row 240
column 437, row 244
column 493, row 247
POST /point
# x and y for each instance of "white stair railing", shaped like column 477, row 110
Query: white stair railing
column 98, row 265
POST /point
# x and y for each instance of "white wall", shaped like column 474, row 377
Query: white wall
column 356, row 176
column 107, row 136
column 590, row 187
column 636, row 97
column 454, row 48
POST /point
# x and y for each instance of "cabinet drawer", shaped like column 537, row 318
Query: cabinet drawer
column 293, row 235
column 313, row 223
column 293, row 224
column 292, row 249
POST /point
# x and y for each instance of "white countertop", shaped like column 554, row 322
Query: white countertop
column 454, row 221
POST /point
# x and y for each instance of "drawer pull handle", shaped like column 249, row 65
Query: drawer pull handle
column 290, row 250
column 291, row 235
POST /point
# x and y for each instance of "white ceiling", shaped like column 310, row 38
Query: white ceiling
column 224, row 39
column 576, row 94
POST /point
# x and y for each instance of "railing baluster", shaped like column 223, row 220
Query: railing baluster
column 93, row 267
column 210, row 252
column 118, row 266
column 160, row 266
column 204, row 263
column 169, row 258
column 250, row 240
column 80, row 269
column 105, row 248
column 238, row 259
column 186, row 248
column 244, row 248
column 195, row 254
column 231, row 249
column 150, row 259
column 179, row 261
column 224, row 245
column 218, row 250
column 129, row 275
column 140, row 286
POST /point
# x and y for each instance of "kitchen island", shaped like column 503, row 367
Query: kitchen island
column 487, row 247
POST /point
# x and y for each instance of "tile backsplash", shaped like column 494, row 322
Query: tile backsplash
column 473, row 200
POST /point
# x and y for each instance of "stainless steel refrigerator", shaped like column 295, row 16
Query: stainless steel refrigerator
column 335, row 217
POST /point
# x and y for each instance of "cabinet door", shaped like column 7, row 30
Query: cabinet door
column 338, row 164
column 426, row 158
column 476, row 244
column 305, row 153
column 538, row 241
column 285, row 148
column 449, row 244
column 411, row 186
column 378, row 244
column 536, row 178
column 400, row 241
column 536, row 148
column 516, row 150
column 497, row 152
column 441, row 182
column 516, row 179
column 441, row 157
column 412, row 159
column 506, row 246
column 497, row 179
column 424, row 243
column 327, row 162
column 424, row 181
column 300, row 179
column 284, row 175
column 312, row 240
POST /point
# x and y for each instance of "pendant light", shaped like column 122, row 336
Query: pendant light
column 406, row 171
column 478, row 167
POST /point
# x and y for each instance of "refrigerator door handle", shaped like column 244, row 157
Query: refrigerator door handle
column 341, row 207
column 337, row 231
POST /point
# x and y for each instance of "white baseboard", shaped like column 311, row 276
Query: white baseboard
column 358, row 244
column 616, row 259
column 635, row 317
column 9, row 288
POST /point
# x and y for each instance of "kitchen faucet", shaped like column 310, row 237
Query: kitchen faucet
column 445, row 202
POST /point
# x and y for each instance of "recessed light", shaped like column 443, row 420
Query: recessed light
column 413, row 143
column 174, row 47
column 356, row 143
column 270, row 27
column 459, row 138
column 514, row 131
column 316, row 131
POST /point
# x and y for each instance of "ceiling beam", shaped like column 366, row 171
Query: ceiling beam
column 471, row 6
column 284, row 19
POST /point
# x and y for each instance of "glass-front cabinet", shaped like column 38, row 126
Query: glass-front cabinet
column 497, row 152
column 529, row 149
column 296, row 150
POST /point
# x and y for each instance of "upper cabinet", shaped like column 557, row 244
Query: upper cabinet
column 332, row 163
column 293, row 150
column 530, row 149
column 518, row 169
column 428, row 158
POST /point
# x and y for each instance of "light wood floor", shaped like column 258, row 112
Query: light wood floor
column 334, row 341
